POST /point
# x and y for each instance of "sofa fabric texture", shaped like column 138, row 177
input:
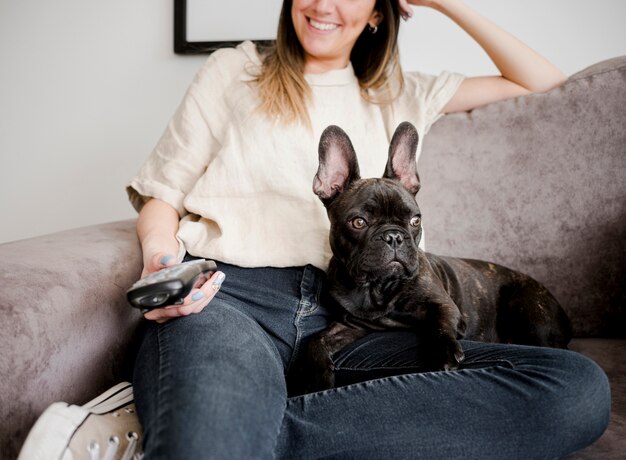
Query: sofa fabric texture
column 66, row 326
column 536, row 183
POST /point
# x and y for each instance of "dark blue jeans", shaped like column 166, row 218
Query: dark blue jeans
column 213, row 385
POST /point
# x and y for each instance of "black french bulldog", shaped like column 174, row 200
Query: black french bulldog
column 382, row 280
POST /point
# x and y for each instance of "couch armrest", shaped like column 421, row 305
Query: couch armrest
column 65, row 324
column 537, row 183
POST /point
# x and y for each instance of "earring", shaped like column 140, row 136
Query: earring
column 373, row 30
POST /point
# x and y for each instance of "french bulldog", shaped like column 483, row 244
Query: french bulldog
column 381, row 279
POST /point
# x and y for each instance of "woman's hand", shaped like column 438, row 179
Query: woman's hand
column 199, row 297
column 156, row 228
column 406, row 9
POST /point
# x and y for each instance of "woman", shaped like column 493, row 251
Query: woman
column 230, row 181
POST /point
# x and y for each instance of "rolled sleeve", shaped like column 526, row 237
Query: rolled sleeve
column 183, row 152
column 435, row 92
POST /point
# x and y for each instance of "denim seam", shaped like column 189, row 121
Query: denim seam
column 163, row 373
column 305, row 308
column 366, row 369
column 377, row 381
column 309, row 281
column 300, row 314
column 342, row 388
column 474, row 365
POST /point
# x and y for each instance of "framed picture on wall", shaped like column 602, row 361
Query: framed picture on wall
column 202, row 26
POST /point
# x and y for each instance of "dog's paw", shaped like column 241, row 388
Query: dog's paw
column 449, row 355
column 323, row 378
column 319, row 372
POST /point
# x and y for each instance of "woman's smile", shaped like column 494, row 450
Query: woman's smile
column 322, row 26
column 328, row 30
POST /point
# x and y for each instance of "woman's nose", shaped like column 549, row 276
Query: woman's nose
column 323, row 6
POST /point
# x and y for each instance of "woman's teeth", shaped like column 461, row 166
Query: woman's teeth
column 322, row 25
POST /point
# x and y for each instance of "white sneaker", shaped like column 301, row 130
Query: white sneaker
column 106, row 428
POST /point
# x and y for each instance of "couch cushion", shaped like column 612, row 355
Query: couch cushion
column 538, row 183
column 66, row 324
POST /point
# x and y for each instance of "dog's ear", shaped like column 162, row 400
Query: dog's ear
column 402, row 164
column 338, row 166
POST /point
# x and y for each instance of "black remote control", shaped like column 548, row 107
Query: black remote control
column 169, row 286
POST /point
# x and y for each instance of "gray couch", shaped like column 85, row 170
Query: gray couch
column 536, row 183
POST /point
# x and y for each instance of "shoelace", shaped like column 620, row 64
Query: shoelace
column 112, row 447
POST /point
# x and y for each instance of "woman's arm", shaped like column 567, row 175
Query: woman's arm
column 522, row 69
column 156, row 228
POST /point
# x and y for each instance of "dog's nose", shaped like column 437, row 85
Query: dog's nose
column 393, row 238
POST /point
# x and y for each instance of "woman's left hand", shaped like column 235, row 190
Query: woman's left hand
column 406, row 9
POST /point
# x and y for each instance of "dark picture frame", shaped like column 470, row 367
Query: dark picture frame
column 185, row 47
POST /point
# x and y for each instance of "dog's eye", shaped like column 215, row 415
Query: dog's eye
column 358, row 223
column 415, row 221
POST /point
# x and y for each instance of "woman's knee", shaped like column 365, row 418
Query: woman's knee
column 215, row 350
column 222, row 337
column 209, row 367
column 577, row 400
column 590, row 396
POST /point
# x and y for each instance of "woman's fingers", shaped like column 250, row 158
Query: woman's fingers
column 405, row 9
column 157, row 262
column 195, row 302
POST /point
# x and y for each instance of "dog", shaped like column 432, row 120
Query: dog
column 382, row 280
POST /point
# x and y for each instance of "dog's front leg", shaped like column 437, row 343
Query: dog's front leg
column 321, row 350
column 442, row 319
column 448, row 353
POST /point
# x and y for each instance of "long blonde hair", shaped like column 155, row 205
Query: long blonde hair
column 281, row 83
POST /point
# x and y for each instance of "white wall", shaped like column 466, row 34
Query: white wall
column 571, row 33
column 86, row 88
